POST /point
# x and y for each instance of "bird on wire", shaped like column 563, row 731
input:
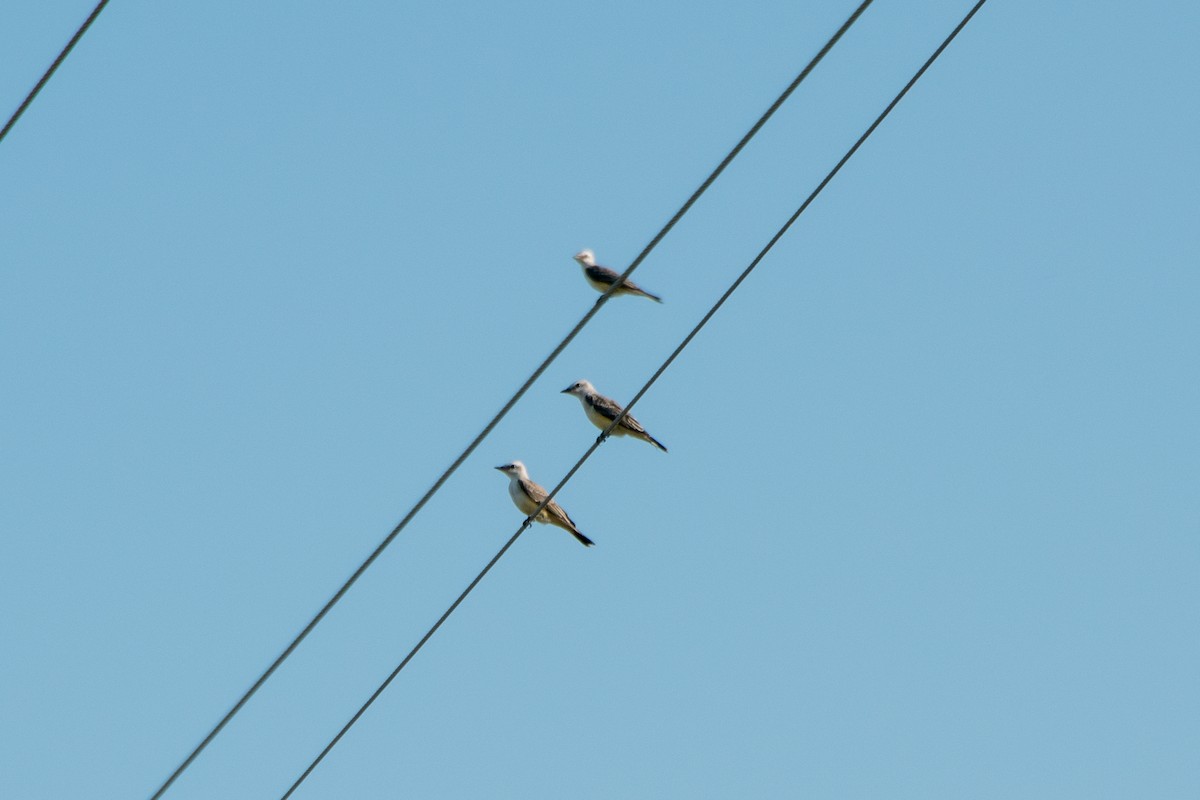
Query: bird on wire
column 602, row 277
column 527, row 496
column 603, row 410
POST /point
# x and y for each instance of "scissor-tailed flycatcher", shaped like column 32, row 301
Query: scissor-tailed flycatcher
column 527, row 496
column 602, row 411
column 602, row 277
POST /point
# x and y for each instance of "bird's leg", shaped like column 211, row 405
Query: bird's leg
column 600, row 439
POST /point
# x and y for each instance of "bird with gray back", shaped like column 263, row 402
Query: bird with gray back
column 601, row 278
column 601, row 411
column 527, row 496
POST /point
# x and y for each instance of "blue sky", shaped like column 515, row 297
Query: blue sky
column 929, row 526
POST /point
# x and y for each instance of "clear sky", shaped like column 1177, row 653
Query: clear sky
column 930, row 522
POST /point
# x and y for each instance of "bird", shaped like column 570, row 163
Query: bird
column 602, row 277
column 602, row 411
column 527, row 496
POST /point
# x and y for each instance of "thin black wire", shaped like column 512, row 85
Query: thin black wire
column 653, row 378
column 512, row 401
column 46, row 77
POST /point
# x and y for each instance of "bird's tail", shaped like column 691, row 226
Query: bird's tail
column 645, row 437
column 557, row 516
column 644, row 293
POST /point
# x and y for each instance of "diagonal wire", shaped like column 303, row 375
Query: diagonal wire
column 46, row 76
column 653, row 378
column 212, row 734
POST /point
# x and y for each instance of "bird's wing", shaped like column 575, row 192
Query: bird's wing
column 604, row 406
column 609, row 408
column 535, row 493
column 602, row 274
column 559, row 513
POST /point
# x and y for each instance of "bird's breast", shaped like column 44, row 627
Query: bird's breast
column 597, row 419
column 519, row 498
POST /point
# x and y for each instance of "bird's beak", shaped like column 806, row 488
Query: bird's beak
column 566, row 390
column 500, row 468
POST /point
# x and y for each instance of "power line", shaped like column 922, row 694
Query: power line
column 487, row 429
column 653, row 378
column 46, row 77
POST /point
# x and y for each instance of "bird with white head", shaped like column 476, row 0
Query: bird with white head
column 601, row 278
column 527, row 496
